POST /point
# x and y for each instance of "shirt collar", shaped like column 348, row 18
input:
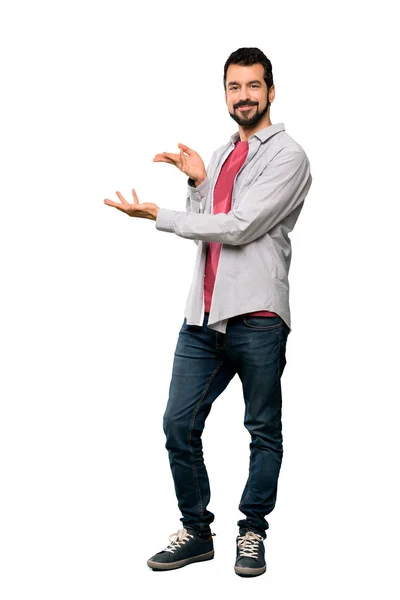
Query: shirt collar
column 262, row 134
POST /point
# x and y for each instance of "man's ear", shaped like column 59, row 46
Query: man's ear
column 271, row 93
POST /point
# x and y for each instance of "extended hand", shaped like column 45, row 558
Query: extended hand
column 145, row 211
column 187, row 161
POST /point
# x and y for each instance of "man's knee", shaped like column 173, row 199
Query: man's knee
column 176, row 430
column 267, row 436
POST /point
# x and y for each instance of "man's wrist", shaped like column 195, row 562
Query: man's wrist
column 196, row 183
column 153, row 213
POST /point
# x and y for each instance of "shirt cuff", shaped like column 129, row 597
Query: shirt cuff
column 164, row 219
column 200, row 191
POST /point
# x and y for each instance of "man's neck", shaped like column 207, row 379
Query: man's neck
column 246, row 132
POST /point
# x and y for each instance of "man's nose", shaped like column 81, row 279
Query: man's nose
column 244, row 95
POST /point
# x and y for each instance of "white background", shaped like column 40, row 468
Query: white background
column 92, row 301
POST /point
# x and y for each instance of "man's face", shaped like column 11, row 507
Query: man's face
column 246, row 94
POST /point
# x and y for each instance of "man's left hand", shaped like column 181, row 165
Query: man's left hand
column 144, row 211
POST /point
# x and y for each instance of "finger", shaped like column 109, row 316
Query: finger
column 114, row 204
column 122, row 209
column 186, row 149
column 170, row 155
column 160, row 158
column 135, row 198
column 120, row 196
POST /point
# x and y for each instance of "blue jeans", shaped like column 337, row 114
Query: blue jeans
column 204, row 363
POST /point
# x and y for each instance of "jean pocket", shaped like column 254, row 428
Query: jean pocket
column 262, row 323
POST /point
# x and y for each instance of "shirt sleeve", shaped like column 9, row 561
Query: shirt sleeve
column 280, row 189
column 196, row 196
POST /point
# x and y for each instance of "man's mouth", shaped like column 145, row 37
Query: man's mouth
column 247, row 107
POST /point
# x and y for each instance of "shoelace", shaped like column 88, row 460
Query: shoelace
column 177, row 539
column 248, row 544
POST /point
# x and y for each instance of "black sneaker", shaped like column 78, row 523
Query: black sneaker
column 186, row 547
column 250, row 560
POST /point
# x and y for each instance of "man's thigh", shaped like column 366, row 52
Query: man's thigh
column 257, row 348
column 257, row 342
column 200, row 372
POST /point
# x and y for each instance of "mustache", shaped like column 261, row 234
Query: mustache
column 245, row 104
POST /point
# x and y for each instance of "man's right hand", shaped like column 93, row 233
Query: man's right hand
column 187, row 161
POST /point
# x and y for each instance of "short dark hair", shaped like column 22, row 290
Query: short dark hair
column 247, row 57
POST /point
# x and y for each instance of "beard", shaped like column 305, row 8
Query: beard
column 250, row 121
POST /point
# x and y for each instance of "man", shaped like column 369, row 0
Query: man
column 237, row 318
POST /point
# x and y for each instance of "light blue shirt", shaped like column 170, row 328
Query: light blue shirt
column 268, row 194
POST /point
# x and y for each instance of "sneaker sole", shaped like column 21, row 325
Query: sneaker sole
column 248, row 572
column 179, row 563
